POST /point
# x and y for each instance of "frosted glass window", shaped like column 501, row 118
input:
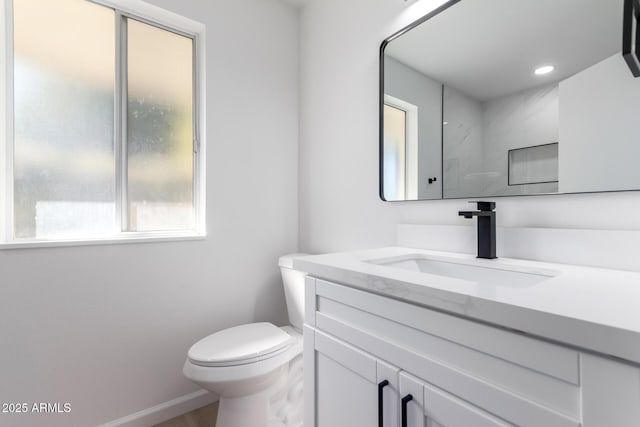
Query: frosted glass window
column 104, row 125
column 394, row 153
column 160, row 129
column 64, row 171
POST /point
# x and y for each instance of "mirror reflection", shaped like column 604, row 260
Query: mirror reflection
column 502, row 98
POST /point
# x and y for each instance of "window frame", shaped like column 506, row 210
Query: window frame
column 123, row 9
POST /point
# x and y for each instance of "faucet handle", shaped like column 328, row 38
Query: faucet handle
column 484, row 206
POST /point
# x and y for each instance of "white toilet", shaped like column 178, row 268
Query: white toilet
column 256, row 368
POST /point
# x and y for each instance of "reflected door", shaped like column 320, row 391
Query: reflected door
column 395, row 140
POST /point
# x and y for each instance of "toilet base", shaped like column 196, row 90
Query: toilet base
column 280, row 405
column 243, row 411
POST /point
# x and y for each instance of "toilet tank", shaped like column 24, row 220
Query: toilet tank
column 293, row 282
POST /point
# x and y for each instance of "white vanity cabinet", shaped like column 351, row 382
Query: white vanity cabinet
column 457, row 372
column 352, row 388
column 423, row 405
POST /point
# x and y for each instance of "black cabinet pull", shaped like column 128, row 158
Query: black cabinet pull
column 405, row 400
column 381, row 387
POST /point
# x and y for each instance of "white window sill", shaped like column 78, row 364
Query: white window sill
column 134, row 238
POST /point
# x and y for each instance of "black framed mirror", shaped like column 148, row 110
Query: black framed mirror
column 500, row 98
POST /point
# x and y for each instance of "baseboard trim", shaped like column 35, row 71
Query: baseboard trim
column 165, row 411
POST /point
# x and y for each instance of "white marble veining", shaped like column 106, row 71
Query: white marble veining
column 590, row 308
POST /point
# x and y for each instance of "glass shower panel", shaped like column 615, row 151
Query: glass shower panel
column 63, row 119
column 160, row 129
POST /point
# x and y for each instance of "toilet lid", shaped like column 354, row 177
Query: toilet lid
column 238, row 344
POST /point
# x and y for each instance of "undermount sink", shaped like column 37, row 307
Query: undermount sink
column 479, row 271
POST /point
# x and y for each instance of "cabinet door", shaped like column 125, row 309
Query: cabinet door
column 352, row 389
column 388, row 392
column 423, row 405
column 610, row 392
column 411, row 396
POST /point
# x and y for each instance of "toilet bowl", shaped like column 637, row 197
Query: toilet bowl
column 256, row 368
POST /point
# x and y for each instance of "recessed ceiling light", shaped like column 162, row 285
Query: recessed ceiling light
column 544, row 70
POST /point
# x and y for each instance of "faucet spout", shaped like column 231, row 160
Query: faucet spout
column 471, row 214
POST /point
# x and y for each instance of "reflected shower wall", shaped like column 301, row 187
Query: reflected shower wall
column 478, row 136
column 462, row 145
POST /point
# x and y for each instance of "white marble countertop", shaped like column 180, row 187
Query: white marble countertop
column 593, row 309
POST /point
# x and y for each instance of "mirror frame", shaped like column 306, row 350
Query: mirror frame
column 383, row 46
column 630, row 13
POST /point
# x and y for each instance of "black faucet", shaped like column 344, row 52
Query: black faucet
column 486, row 228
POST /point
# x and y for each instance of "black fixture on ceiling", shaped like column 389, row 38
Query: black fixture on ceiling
column 630, row 37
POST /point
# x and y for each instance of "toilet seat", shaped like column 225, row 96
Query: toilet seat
column 240, row 345
column 247, row 373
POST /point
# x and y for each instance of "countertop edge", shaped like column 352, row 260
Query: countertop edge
column 583, row 335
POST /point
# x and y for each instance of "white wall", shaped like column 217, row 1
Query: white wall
column 411, row 86
column 107, row 328
column 599, row 128
column 339, row 204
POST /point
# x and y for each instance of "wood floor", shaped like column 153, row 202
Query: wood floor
column 203, row 417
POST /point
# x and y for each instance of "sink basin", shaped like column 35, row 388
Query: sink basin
column 484, row 272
